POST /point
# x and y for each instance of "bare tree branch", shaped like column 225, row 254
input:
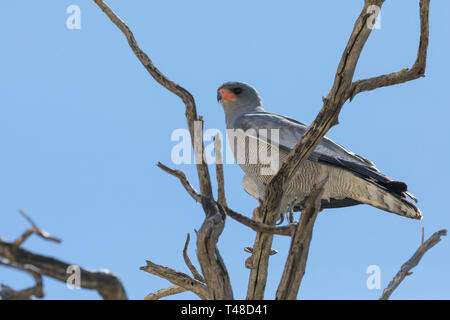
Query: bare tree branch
column 255, row 225
column 295, row 266
column 213, row 267
column 216, row 275
column 177, row 278
column 405, row 270
column 258, row 226
column 175, row 289
column 34, row 230
column 106, row 283
column 183, row 94
column 219, row 171
column 326, row 118
column 184, row 181
column 188, row 262
column 165, row 292
column 404, row 75
column 7, row 293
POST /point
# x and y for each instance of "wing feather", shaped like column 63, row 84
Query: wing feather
column 327, row 152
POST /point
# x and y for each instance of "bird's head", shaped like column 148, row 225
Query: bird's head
column 238, row 94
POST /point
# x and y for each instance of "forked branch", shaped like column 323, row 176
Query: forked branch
column 405, row 270
column 295, row 266
column 214, row 271
column 340, row 92
column 13, row 255
column 404, row 75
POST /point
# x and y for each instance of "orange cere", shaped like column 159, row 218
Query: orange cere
column 227, row 95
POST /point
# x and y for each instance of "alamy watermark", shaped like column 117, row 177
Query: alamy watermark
column 74, row 279
column 74, row 19
column 250, row 147
column 374, row 21
column 374, row 280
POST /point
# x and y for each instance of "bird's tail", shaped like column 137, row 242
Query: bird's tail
column 390, row 201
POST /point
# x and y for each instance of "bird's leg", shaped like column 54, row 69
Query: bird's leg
column 291, row 210
column 281, row 219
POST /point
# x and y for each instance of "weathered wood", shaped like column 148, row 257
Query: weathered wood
column 8, row 293
column 219, row 171
column 326, row 118
column 189, row 263
column 106, row 283
column 405, row 270
column 214, row 270
column 183, row 179
column 404, row 75
column 295, row 266
column 165, row 293
column 177, row 278
column 212, row 265
column 182, row 93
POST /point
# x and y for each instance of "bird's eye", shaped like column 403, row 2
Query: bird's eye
column 237, row 90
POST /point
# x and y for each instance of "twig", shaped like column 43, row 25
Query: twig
column 34, row 230
column 165, row 292
column 188, row 262
column 411, row 263
column 177, row 278
column 184, row 181
column 343, row 89
column 258, row 226
column 213, row 267
column 217, row 278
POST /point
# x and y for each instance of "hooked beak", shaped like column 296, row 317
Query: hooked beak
column 224, row 95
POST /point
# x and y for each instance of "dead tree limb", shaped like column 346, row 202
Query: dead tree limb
column 178, row 278
column 212, row 265
column 214, row 271
column 295, row 266
column 183, row 179
column 175, row 289
column 404, row 75
column 189, row 263
column 259, row 226
column 170, row 291
column 340, row 92
column 34, row 230
column 405, row 270
column 343, row 88
column 254, row 225
column 219, row 171
column 8, row 293
column 182, row 93
column 107, row 284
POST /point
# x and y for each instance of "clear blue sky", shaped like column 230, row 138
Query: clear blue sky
column 82, row 126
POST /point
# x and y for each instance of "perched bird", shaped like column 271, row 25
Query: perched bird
column 352, row 179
